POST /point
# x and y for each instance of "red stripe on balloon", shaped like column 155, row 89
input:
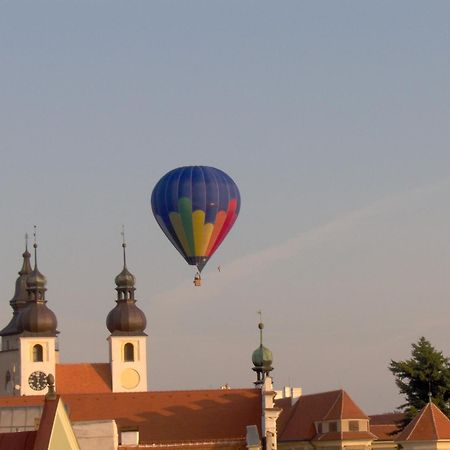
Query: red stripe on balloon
column 229, row 221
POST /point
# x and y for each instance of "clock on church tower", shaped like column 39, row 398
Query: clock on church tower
column 37, row 380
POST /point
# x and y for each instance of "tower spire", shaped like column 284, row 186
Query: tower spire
column 37, row 317
column 35, row 247
column 20, row 297
column 124, row 245
column 260, row 326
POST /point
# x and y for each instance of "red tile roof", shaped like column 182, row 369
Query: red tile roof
column 166, row 417
column 386, row 418
column 296, row 422
column 85, row 378
column 21, row 440
column 344, row 408
column 384, row 432
column 384, row 426
column 431, row 424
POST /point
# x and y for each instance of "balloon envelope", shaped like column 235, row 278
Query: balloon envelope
column 196, row 206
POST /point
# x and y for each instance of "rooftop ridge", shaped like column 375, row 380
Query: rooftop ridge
column 437, row 413
column 434, row 421
column 334, row 404
column 180, row 391
column 322, row 393
column 413, row 426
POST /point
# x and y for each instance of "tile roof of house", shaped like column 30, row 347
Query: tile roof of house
column 384, row 426
column 169, row 417
column 21, row 440
column 84, row 378
column 431, row 424
column 386, row 418
column 344, row 408
column 296, row 422
column 384, row 432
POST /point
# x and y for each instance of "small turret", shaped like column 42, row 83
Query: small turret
column 126, row 317
column 36, row 317
column 262, row 359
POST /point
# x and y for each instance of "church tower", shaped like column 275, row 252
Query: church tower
column 262, row 361
column 127, row 342
column 29, row 350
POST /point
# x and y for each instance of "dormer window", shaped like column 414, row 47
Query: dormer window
column 353, row 425
column 319, row 427
column 38, row 353
column 128, row 352
column 332, row 426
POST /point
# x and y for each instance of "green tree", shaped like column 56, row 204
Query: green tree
column 426, row 373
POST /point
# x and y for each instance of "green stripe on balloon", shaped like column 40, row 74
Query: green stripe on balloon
column 185, row 209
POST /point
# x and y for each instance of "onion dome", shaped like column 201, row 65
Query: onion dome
column 126, row 317
column 36, row 317
column 125, row 279
column 20, row 297
column 262, row 359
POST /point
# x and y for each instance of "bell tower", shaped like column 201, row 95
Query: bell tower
column 29, row 351
column 127, row 342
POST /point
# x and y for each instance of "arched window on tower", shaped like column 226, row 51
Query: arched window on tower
column 38, row 353
column 128, row 352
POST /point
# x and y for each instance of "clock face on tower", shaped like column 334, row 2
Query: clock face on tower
column 37, row 380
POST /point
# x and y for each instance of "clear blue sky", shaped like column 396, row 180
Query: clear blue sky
column 333, row 119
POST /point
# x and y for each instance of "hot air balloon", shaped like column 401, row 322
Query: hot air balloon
column 196, row 206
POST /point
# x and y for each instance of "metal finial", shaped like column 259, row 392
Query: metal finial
column 35, row 246
column 124, row 244
column 26, row 242
column 260, row 326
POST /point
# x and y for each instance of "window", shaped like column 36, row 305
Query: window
column 38, row 353
column 319, row 427
column 332, row 426
column 129, row 437
column 353, row 425
column 128, row 352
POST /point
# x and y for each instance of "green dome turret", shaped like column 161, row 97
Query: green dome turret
column 262, row 359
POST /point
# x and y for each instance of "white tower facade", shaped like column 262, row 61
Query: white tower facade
column 128, row 363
